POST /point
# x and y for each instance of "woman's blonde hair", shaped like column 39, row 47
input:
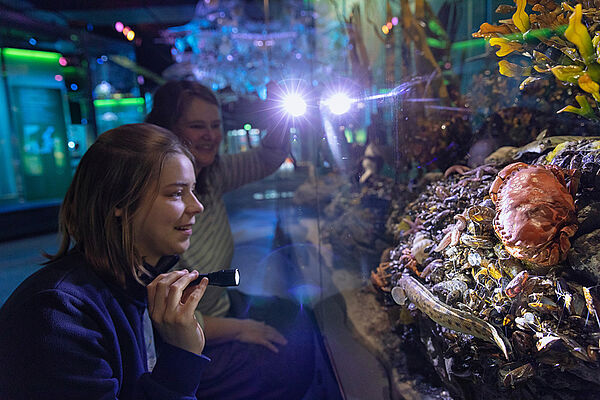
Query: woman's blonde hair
column 117, row 171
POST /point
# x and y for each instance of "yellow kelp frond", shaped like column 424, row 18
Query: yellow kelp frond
column 540, row 69
column 588, row 85
column 487, row 30
column 567, row 7
column 506, row 46
column 596, row 39
column 513, row 70
column 567, row 73
column 520, row 17
column 578, row 34
column 550, row 156
column 584, row 111
column 529, row 80
column 596, row 44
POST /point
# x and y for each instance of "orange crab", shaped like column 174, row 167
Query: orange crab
column 535, row 212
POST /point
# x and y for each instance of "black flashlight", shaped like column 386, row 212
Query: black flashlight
column 224, row 277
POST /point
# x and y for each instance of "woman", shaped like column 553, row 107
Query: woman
column 261, row 347
column 80, row 327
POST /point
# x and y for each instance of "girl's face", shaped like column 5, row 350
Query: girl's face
column 200, row 125
column 163, row 225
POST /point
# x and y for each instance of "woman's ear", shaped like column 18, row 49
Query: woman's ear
column 118, row 212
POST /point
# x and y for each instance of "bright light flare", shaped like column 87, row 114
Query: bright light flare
column 294, row 104
column 339, row 103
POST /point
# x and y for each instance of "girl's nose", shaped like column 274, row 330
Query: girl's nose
column 195, row 207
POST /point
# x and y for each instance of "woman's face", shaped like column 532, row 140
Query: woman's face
column 163, row 225
column 200, row 124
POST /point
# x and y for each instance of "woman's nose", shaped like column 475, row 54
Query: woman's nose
column 212, row 133
column 195, row 207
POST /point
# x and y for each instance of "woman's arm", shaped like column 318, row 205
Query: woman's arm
column 221, row 330
column 235, row 170
column 239, row 169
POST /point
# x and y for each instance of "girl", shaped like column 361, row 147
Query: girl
column 262, row 347
column 103, row 319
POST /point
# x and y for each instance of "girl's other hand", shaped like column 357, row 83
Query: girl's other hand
column 251, row 331
column 171, row 305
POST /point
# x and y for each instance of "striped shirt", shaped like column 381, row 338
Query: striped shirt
column 211, row 244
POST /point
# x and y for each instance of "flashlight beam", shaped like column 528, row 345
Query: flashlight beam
column 339, row 103
column 294, row 104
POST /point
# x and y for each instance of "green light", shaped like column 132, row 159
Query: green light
column 349, row 136
column 438, row 44
column 129, row 101
column 31, row 54
column 73, row 71
column 361, row 136
column 468, row 43
column 436, row 28
column 529, row 35
column 247, row 127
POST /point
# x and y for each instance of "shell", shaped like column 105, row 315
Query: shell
column 421, row 247
column 535, row 213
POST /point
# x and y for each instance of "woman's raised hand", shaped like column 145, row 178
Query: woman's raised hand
column 171, row 305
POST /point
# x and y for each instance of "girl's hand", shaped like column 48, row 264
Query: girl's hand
column 171, row 306
column 251, row 331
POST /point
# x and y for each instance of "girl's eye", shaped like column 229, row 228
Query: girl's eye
column 177, row 194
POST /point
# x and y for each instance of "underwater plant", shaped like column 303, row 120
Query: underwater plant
column 554, row 40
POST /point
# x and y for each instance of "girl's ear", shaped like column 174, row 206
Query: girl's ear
column 118, row 212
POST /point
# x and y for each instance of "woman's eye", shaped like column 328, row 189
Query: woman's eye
column 177, row 194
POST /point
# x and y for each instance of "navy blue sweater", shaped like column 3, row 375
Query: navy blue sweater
column 67, row 334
